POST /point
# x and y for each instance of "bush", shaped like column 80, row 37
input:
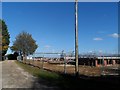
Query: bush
column 12, row 56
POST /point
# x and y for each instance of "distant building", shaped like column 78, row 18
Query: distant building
column 99, row 61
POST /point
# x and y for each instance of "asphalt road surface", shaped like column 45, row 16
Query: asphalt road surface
column 15, row 77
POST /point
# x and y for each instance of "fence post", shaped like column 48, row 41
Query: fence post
column 65, row 64
column 42, row 62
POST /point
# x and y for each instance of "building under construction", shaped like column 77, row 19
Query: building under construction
column 98, row 61
column 86, row 60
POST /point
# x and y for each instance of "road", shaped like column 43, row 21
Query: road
column 15, row 77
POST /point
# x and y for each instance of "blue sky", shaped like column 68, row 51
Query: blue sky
column 59, row 0
column 0, row 10
column 52, row 25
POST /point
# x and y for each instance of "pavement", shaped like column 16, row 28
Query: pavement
column 12, row 76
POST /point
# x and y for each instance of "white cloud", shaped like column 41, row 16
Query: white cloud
column 97, row 39
column 114, row 35
column 47, row 46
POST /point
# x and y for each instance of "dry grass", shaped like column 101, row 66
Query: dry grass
column 70, row 69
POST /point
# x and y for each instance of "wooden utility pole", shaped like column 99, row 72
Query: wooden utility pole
column 76, row 37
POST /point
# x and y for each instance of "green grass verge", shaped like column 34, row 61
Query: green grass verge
column 39, row 72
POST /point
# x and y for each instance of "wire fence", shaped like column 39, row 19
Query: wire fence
column 89, row 65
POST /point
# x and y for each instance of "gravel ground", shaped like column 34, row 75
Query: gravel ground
column 15, row 77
